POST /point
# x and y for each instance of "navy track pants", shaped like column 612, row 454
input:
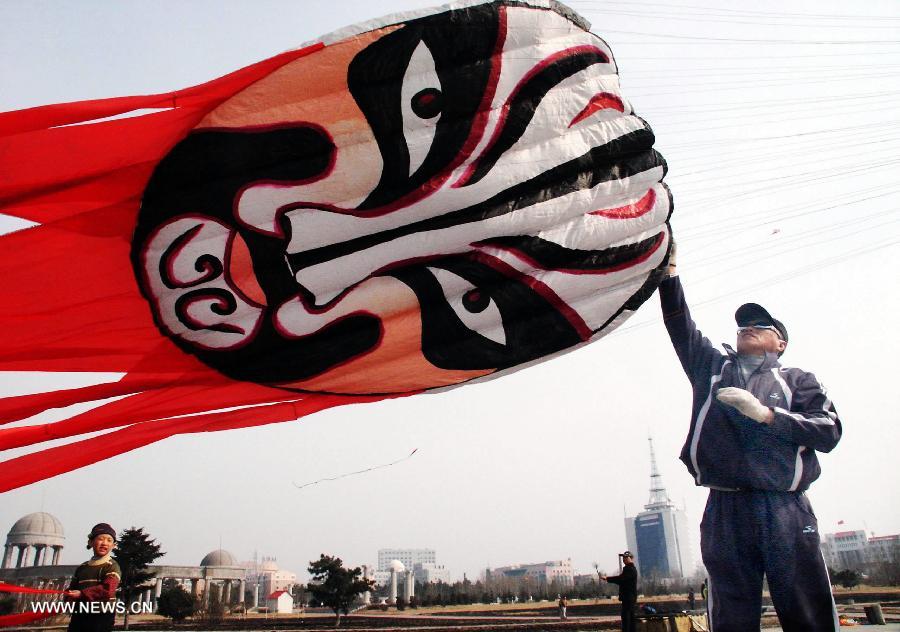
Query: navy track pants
column 747, row 534
column 628, row 620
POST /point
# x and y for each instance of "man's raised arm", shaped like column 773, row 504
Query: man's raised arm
column 693, row 349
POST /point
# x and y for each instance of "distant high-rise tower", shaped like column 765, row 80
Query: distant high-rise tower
column 658, row 536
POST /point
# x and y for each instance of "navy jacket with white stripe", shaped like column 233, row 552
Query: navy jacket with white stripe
column 725, row 449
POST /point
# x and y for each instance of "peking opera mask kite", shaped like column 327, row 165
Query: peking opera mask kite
column 406, row 205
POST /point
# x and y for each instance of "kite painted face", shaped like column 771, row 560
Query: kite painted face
column 409, row 208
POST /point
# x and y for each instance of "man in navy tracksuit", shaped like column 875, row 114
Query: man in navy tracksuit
column 755, row 429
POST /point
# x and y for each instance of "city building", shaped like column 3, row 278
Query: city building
column 264, row 577
column 854, row 550
column 588, row 579
column 845, row 549
column 884, row 548
column 429, row 573
column 415, row 565
column 422, row 573
column 408, row 557
column 559, row 571
column 659, row 536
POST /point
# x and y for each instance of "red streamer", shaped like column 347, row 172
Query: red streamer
column 24, row 618
column 12, row 588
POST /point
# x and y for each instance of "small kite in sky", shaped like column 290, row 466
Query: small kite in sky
column 408, row 204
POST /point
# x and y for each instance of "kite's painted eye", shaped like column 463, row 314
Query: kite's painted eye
column 421, row 101
column 476, row 301
column 428, row 103
column 473, row 306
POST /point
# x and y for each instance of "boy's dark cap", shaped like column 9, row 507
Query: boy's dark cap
column 750, row 314
column 627, row 554
column 101, row 529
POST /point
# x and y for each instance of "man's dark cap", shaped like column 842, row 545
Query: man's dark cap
column 627, row 554
column 101, row 529
column 750, row 314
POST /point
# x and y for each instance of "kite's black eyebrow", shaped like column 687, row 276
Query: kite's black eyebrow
column 526, row 100
column 600, row 164
column 551, row 256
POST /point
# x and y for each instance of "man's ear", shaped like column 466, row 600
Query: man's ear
column 782, row 345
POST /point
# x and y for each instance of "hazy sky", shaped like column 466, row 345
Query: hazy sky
column 780, row 129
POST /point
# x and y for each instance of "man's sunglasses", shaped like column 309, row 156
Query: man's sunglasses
column 769, row 327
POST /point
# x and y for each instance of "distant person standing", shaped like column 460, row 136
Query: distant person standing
column 627, row 581
column 692, row 598
column 755, row 429
column 93, row 587
column 563, row 603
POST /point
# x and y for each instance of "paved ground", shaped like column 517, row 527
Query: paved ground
column 890, row 627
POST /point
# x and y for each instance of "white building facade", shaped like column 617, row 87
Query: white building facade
column 559, row 571
column 429, row 573
column 884, row 548
column 408, row 557
column 415, row 565
column 265, row 577
column 854, row 550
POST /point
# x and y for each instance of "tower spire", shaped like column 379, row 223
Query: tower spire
column 659, row 498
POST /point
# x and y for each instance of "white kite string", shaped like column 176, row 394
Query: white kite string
column 369, row 469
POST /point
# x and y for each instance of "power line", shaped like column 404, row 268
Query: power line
column 768, row 282
column 719, row 56
column 702, row 39
column 779, row 248
column 725, row 10
column 747, row 21
column 699, row 71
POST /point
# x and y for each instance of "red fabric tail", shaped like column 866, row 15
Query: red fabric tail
column 22, row 406
column 202, row 95
column 52, row 172
column 12, row 588
column 37, row 466
column 70, row 303
column 175, row 399
column 23, row 618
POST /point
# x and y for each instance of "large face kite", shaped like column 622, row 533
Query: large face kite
column 414, row 206
column 399, row 207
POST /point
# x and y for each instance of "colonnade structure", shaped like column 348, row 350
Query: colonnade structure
column 32, row 555
column 34, row 540
column 219, row 576
column 401, row 577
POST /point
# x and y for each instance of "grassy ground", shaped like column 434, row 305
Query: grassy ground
column 587, row 615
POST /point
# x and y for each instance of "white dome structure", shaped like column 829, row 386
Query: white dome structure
column 397, row 565
column 39, row 533
column 37, row 527
column 219, row 557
